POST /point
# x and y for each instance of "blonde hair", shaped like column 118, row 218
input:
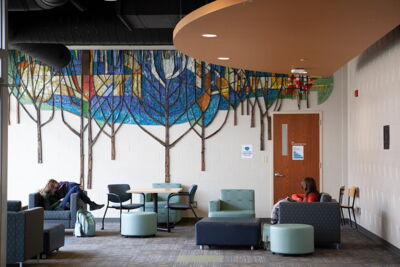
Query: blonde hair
column 50, row 187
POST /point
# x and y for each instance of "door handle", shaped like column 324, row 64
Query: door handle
column 277, row 174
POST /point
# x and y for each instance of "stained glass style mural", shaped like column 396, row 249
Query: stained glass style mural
column 110, row 88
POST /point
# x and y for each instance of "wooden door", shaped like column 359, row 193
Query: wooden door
column 295, row 133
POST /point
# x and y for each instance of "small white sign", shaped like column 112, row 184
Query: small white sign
column 247, row 151
column 297, row 152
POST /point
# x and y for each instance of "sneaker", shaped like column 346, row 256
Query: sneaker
column 95, row 206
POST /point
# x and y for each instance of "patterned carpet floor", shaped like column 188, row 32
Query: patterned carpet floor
column 109, row 248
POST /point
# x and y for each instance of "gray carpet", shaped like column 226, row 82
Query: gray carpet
column 178, row 248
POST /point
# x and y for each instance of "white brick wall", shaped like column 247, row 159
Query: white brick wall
column 376, row 74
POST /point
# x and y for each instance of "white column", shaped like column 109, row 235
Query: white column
column 3, row 131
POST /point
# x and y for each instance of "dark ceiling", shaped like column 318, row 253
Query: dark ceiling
column 93, row 22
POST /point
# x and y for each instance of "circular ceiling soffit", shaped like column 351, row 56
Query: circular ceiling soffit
column 279, row 35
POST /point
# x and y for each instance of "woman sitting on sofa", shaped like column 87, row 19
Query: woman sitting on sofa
column 57, row 195
column 310, row 194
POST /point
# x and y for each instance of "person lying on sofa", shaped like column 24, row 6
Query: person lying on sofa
column 310, row 194
column 56, row 195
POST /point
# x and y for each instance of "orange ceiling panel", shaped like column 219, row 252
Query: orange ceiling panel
column 278, row 35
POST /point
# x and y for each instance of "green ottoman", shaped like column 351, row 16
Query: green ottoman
column 138, row 223
column 292, row 238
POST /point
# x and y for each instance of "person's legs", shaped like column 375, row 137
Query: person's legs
column 67, row 197
column 82, row 195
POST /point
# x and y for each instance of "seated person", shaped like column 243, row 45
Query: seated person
column 57, row 195
column 311, row 194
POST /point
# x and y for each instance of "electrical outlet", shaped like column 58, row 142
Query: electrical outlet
column 194, row 205
column 358, row 211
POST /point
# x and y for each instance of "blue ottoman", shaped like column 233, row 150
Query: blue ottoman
column 53, row 238
column 292, row 238
column 221, row 231
column 138, row 223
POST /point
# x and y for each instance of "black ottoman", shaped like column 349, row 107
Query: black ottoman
column 53, row 237
column 228, row 232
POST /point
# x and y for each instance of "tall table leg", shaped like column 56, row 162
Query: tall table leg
column 155, row 205
column 155, row 202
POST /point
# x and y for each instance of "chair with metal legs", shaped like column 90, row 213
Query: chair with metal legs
column 350, row 207
column 118, row 194
column 341, row 193
column 181, row 206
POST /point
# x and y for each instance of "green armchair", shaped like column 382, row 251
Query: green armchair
column 174, row 215
column 235, row 203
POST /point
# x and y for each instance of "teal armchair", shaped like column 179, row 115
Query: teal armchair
column 174, row 215
column 235, row 203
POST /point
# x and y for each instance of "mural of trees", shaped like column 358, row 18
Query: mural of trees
column 167, row 97
column 75, row 79
column 33, row 82
column 211, row 95
column 109, row 69
column 107, row 89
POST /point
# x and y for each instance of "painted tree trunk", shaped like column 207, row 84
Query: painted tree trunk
column 203, row 147
column 235, row 119
column 269, row 127
column 90, row 153
column 262, row 132
column 82, row 148
column 167, row 164
column 167, row 152
column 253, row 116
column 113, row 141
column 18, row 113
column 39, row 135
column 241, row 108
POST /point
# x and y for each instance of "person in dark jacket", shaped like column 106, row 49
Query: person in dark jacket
column 57, row 195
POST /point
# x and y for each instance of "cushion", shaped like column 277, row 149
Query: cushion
column 127, row 206
column 57, row 214
column 237, row 199
column 233, row 214
column 13, row 205
column 325, row 197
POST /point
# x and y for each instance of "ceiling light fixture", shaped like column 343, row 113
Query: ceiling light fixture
column 223, row 58
column 298, row 71
column 209, row 35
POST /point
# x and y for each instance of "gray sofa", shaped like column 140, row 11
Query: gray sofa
column 24, row 232
column 324, row 216
column 65, row 217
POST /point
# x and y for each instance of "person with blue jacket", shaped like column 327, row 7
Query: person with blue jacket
column 57, row 195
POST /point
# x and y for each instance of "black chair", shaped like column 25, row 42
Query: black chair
column 117, row 194
column 181, row 206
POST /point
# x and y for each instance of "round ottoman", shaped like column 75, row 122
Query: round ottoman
column 138, row 223
column 292, row 238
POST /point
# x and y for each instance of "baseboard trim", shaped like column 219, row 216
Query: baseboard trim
column 377, row 238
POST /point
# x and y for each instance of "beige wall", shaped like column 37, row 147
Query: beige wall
column 140, row 159
column 376, row 74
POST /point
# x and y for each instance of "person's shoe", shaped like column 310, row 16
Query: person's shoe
column 94, row 206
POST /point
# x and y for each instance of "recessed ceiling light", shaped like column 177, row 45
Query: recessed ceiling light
column 302, row 59
column 209, row 35
column 298, row 71
column 223, row 58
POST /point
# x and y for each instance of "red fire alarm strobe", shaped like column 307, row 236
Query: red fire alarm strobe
column 356, row 93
